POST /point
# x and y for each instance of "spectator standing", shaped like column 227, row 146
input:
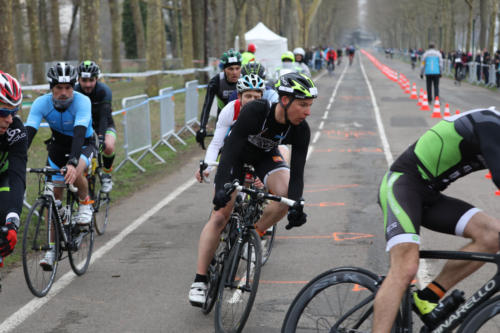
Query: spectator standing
column 432, row 67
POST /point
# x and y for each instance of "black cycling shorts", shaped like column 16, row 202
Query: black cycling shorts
column 407, row 203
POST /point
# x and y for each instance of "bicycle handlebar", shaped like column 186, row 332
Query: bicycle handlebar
column 52, row 171
column 203, row 166
column 235, row 186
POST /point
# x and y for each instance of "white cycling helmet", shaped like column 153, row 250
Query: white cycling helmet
column 299, row 50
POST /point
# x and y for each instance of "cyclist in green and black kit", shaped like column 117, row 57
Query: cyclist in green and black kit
column 411, row 196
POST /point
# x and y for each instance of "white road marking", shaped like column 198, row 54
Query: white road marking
column 31, row 307
column 321, row 125
column 316, row 136
column 423, row 271
column 325, row 115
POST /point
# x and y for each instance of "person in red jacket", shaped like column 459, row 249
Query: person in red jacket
column 331, row 57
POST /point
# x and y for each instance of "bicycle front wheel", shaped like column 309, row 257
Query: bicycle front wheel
column 339, row 300
column 36, row 239
column 484, row 320
column 101, row 206
column 80, row 250
column 267, row 242
column 238, row 285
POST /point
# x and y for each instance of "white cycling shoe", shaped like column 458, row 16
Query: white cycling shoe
column 84, row 215
column 198, row 294
column 47, row 263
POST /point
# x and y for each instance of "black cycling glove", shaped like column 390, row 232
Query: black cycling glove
column 296, row 215
column 200, row 136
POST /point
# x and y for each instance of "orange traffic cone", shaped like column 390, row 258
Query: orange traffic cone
column 407, row 87
column 421, row 97
column 437, row 109
column 446, row 110
column 457, row 111
column 414, row 92
column 425, row 104
column 497, row 192
column 488, row 175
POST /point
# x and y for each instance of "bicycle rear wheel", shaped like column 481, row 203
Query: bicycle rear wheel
column 101, row 206
column 484, row 320
column 82, row 243
column 238, row 285
column 267, row 244
column 35, row 244
column 339, row 300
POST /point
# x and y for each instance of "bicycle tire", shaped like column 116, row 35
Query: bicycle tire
column 101, row 205
column 238, row 292
column 484, row 320
column 35, row 244
column 267, row 241
column 80, row 251
column 336, row 287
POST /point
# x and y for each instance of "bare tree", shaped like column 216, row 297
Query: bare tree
column 114, row 13
column 483, row 15
column 36, row 53
column 7, row 56
column 198, row 27
column 154, row 40
column 55, row 30
column 187, row 34
column 90, row 46
column 491, row 33
column 44, row 30
column 139, row 28
column 469, row 25
column 76, row 6
column 18, row 17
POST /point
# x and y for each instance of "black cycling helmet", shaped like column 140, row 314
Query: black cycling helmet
column 88, row 69
column 254, row 67
column 61, row 73
column 296, row 85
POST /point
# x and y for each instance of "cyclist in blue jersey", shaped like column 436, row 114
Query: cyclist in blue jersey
column 71, row 145
column 257, row 68
column 432, row 67
column 102, row 120
column 13, row 156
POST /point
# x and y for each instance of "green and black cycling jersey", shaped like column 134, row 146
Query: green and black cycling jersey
column 218, row 87
column 13, row 158
column 254, row 139
column 101, row 99
column 453, row 148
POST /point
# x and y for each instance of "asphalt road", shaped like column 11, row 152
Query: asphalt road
column 144, row 264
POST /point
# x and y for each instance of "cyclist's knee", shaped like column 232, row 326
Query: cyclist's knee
column 484, row 231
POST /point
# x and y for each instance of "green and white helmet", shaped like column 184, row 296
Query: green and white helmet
column 230, row 57
column 296, row 85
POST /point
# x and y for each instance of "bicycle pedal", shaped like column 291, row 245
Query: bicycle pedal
column 195, row 304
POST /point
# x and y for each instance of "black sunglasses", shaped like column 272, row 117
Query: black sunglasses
column 6, row 112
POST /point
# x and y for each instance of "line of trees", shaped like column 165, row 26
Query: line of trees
column 467, row 25
column 37, row 31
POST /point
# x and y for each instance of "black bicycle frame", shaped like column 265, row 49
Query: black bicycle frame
column 479, row 297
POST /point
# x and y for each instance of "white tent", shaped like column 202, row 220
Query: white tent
column 270, row 46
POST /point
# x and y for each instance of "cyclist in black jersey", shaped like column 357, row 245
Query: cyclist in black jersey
column 411, row 196
column 13, row 157
column 254, row 139
column 102, row 121
column 221, row 86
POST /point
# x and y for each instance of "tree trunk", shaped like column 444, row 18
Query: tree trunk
column 469, row 26
column 483, row 14
column 76, row 6
column 18, row 17
column 198, row 27
column 55, row 30
column 176, row 30
column 491, row 33
column 44, row 30
column 7, row 56
column 114, row 13
column 36, row 53
column 139, row 29
column 90, row 46
column 452, row 32
column 154, row 40
column 187, row 35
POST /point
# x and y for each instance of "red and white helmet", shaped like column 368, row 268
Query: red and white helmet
column 10, row 90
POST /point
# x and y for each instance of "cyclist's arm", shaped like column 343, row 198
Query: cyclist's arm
column 221, row 130
column 103, row 111
column 212, row 88
column 83, row 121
column 300, row 145
column 249, row 122
column 34, row 118
column 488, row 134
column 17, row 170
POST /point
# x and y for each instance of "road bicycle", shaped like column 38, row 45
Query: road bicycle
column 50, row 222
column 341, row 300
column 331, row 67
column 101, row 199
column 233, row 274
column 267, row 240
